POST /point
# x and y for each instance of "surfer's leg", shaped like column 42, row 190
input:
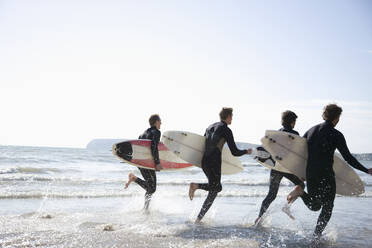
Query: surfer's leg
column 149, row 184
column 150, row 178
column 275, row 178
column 311, row 199
column 204, row 186
column 212, row 170
column 207, row 204
column 312, row 203
column 207, row 169
column 141, row 182
column 214, row 177
column 147, row 201
column 213, row 173
column 324, row 217
column 329, row 193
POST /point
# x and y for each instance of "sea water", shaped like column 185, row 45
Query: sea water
column 59, row 197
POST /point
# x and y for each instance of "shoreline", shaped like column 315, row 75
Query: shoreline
column 121, row 223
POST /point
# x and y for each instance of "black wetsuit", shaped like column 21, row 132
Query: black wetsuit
column 276, row 178
column 323, row 140
column 149, row 176
column 216, row 136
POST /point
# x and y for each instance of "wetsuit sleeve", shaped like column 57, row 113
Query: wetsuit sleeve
column 344, row 150
column 231, row 143
column 154, row 146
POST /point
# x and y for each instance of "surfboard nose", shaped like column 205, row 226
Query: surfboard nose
column 123, row 150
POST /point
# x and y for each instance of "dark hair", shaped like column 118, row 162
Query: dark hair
column 331, row 112
column 225, row 112
column 287, row 118
column 153, row 119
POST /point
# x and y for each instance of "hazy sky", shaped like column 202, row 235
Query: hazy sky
column 72, row 71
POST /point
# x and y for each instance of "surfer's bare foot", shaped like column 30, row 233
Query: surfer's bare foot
column 287, row 210
column 298, row 191
column 193, row 187
column 131, row 178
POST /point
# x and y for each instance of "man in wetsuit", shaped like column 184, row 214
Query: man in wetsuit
column 322, row 140
column 216, row 136
column 288, row 123
column 149, row 176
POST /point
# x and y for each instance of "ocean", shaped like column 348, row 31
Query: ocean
column 64, row 197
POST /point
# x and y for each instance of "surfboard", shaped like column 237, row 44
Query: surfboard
column 138, row 153
column 290, row 151
column 265, row 159
column 190, row 147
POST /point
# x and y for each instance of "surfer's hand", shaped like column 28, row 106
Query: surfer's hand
column 158, row 167
column 249, row 151
column 370, row 171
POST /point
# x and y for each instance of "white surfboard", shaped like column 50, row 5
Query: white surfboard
column 290, row 151
column 190, row 147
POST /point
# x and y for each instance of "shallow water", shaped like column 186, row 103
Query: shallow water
column 52, row 197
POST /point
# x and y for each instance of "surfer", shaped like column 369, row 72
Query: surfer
column 216, row 136
column 149, row 176
column 288, row 123
column 322, row 140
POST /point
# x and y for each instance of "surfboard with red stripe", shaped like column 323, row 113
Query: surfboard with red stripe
column 138, row 153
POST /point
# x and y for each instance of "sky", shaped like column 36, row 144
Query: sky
column 72, row 71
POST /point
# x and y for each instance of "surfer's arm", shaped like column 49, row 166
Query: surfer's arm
column 349, row 158
column 154, row 146
column 231, row 143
